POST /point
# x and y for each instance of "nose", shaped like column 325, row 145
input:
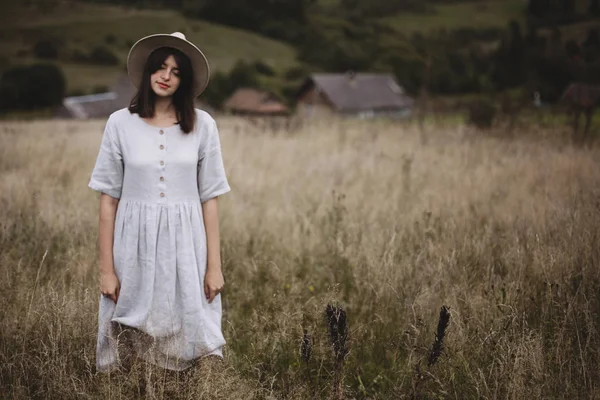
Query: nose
column 166, row 75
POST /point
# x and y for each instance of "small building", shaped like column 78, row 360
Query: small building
column 101, row 105
column 363, row 95
column 253, row 102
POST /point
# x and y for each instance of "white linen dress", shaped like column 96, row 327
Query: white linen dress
column 161, row 176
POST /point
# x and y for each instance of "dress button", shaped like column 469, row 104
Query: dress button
column 161, row 132
column 162, row 195
column 162, row 178
column 162, row 147
column 162, row 163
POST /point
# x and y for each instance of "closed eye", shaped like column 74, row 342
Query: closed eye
column 175, row 70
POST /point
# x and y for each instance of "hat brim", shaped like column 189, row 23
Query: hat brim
column 142, row 48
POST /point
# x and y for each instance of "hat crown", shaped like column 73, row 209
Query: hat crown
column 178, row 35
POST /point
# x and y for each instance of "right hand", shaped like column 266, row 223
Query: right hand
column 109, row 286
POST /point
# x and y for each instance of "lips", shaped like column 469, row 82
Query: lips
column 163, row 86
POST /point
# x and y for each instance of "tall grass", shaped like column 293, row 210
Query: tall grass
column 362, row 217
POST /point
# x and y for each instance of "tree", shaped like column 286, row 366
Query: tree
column 569, row 7
column 282, row 19
column 104, row 56
column 510, row 69
column 31, row 87
column 223, row 85
column 537, row 8
column 45, row 48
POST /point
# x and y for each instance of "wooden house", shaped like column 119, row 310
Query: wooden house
column 362, row 95
column 253, row 102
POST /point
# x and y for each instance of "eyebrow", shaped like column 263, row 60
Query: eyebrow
column 177, row 68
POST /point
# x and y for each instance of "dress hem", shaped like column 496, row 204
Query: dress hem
column 114, row 366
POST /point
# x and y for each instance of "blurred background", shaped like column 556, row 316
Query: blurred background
column 309, row 57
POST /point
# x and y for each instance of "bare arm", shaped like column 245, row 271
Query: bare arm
column 211, row 222
column 214, row 276
column 109, row 284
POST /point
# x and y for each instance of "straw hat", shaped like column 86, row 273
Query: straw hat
column 142, row 48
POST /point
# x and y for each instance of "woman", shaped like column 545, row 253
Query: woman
column 160, row 171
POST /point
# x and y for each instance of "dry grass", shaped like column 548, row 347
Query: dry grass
column 363, row 215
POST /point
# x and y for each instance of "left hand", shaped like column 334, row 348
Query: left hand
column 213, row 283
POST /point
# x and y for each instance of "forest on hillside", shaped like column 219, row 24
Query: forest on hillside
column 351, row 36
column 543, row 46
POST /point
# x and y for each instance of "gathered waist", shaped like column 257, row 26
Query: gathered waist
column 159, row 203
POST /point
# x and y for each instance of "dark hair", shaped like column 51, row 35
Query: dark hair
column 183, row 100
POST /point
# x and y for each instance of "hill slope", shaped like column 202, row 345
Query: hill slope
column 485, row 14
column 81, row 27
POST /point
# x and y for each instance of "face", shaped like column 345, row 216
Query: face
column 165, row 80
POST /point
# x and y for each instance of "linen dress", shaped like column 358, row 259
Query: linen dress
column 161, row 176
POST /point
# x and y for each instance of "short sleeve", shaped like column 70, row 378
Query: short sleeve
column 212, row 181
column 107, row 175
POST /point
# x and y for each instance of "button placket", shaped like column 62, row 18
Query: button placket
column 162, row 185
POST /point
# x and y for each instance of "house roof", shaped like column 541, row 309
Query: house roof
column 360, row 91
column 583, row 94
column 94, row 105
column 254, row 101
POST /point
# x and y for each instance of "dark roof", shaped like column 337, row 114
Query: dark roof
column 99, row 105
column 584, row 94
column 94, row 105
column 361, row 91
column 255, row 101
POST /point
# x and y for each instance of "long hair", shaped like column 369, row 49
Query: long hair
column 183, row 100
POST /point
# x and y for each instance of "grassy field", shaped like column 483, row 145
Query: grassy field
column 378, row 218
column 85, row 26
column 473, row 15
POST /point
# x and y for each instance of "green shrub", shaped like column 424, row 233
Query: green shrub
column 243, row 74
column 31, row 87
column 295, row 73
column 76, row 92
column 264, row 69
column 4, row 63
column 110, row 39
column 46, row 49
column 100, row 89
column 79, row 56
column 104, row 56
column 482, row 113
column 218, row 90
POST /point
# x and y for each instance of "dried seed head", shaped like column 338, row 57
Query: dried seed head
column 436, row 349
column 306, row 348
column 338, row 330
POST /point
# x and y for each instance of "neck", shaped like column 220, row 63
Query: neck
column 164, row 106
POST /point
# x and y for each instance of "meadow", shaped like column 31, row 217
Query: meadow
column 376, row 218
